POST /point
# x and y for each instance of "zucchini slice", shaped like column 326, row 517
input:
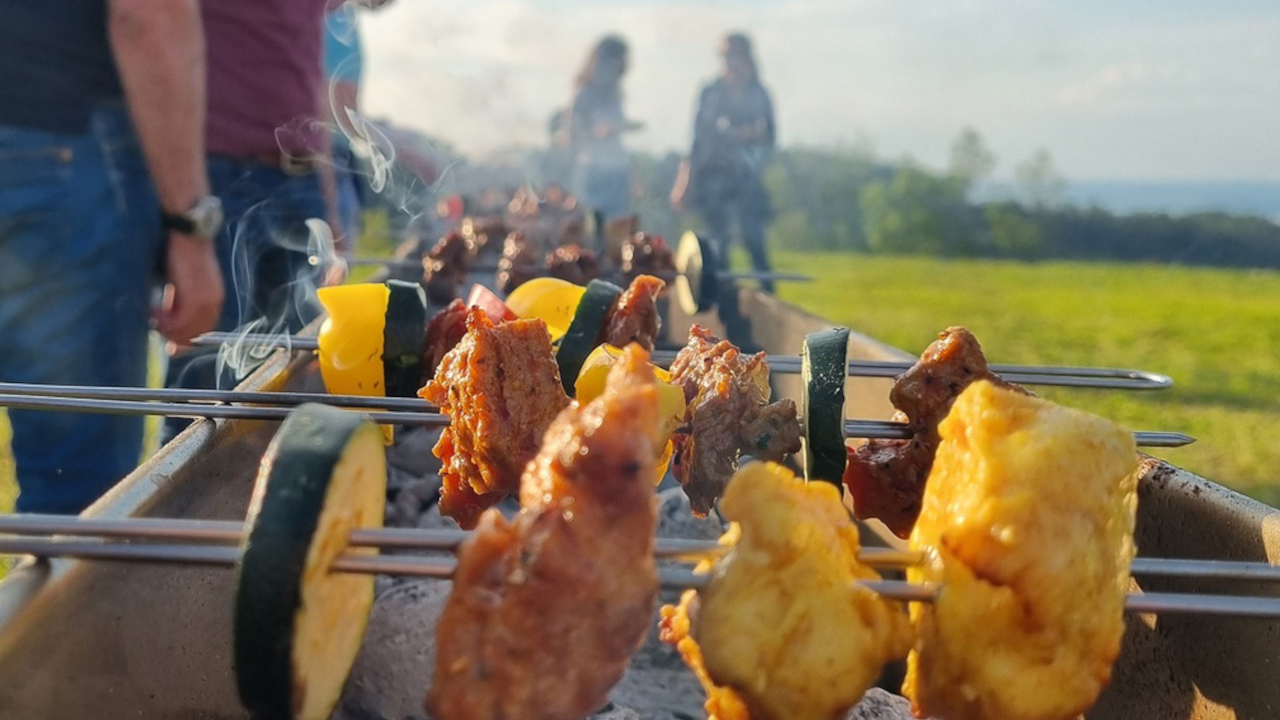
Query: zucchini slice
column 298, row 627
column 824, row 369
column 403, row 338
column 697, row 283
column 580, row 339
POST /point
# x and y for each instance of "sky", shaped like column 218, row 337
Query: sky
column 1168, row 90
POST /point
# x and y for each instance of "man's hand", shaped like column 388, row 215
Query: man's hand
column 194, row 294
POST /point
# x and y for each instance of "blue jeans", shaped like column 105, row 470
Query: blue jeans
column 80, row 235
column 265, row 251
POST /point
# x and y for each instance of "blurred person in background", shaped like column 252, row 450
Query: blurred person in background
column 268, row 157
column 593, row 128
column 344, row 66
column 734, row 135
column 102, row 183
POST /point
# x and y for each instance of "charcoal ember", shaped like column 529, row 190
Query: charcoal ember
column 879, row 704
column 393, row 668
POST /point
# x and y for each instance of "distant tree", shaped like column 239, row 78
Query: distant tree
column 918, row 212
column 1013, row 232
column 1039, row 180
column 971, row 160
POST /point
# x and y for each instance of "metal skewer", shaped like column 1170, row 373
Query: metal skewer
column 406, row 263
column 179, row 407
column 1049, row 375
column 672, row 578
column 442, row 539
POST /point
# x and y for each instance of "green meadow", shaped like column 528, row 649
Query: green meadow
column 1216, row 332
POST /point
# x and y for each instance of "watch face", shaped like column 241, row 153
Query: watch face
column 207, row 217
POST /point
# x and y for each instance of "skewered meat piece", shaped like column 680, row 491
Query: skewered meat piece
column 647, row 254
column 445, row 268
column 886, row 478
column 728, row 414
column 500, row 387
column 518, row 264
column 634, row 317
column 783, row 625
column 547, row 609
column 573, row 263
column 445, row 330
column 479, row 232
column 1027, row 522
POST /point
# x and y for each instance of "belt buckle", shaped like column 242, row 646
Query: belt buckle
column 296, row 165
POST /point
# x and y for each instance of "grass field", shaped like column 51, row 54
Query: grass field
column 1216, row 332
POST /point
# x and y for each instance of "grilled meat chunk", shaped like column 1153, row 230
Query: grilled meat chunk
column 886, row 478
column 783, row 625
column 482, row 232
column 500, row 387
column 634, row 317
column 547, row 609
column 1027, row 523
column 518, row 264
column 644, row 254
column 573, row 263
column 445, row 330
column 728, row 414
column 445, row 268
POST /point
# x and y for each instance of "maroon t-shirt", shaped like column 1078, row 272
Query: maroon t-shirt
column 266, row 83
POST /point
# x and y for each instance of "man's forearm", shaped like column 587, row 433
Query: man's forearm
column 159, row 51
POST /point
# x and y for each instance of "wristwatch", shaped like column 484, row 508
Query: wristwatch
column 203, row 220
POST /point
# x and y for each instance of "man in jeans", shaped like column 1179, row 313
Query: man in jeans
column 267, row 157
column 101, row 121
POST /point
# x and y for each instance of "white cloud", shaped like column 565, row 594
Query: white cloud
column 1110, row 90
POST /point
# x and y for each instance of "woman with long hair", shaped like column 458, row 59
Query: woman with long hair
column 593, row 131
column 734, row 134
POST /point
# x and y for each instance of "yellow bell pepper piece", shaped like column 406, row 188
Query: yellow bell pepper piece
column 351, row 338
column 552, row 300
column 350, row 341
column 671, row 405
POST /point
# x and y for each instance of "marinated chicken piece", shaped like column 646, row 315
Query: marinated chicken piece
column 728, row 414
column 573, row 263
column 445, row 330
column 500, row 387
column 634, row 317
column 675, row 629
column 518, row 264
column 1027, row 522
column 648, row 255
column 886, row 478
column 445, row 268
column 547, row 609
column 783, row 622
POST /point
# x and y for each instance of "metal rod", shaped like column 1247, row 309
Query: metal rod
column 193, row 410
column 493, row 267
column 673, row 578
column 874, row 429
column 97, row 392
column 233, row 531
column 1049, row 375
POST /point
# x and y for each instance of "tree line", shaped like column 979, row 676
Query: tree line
column 846, row 199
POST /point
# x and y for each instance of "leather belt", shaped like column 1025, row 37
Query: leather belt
column 290, row 164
